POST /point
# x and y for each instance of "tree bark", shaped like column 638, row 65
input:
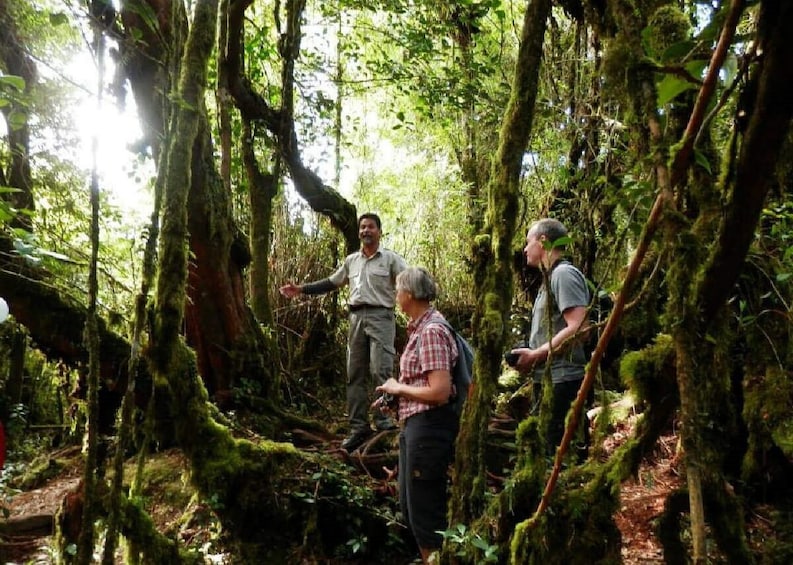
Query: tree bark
column 768, row 125
column 219, row 324
column 56, row 326
column 320, row 197
column 493, row 268
column 262, row 188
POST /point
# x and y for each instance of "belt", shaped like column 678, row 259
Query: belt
column 356, row 307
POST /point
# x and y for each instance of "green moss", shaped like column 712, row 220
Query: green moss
column 618, row 59
column 492, row 322
column 766, row 413
column 578, row 526
column 647, row 373
column 650, row 375
column 666, row 27
column 39, row 472
column 482, row 242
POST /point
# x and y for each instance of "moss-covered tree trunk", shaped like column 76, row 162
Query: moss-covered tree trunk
column 219, row 324
column 262, row 189
column 280, row 122
column 228, row 471
column 702, row 278
column 493, row 253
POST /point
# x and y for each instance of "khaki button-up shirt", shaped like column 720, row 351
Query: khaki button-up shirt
column 372, row 279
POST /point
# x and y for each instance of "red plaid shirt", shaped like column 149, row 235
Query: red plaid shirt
column 430, row 347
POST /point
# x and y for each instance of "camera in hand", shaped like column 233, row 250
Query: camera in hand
column 511, row 358
column 388, row 400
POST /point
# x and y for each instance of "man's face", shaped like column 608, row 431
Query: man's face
column 368, row 232
column 534, row 250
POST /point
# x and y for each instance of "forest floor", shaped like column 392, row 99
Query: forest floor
column 642, row 501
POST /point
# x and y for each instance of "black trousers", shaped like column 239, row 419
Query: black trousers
column 564, row 394
column 426, row 449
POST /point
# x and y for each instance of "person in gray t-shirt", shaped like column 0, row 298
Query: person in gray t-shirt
column 371, row 274
column 568, row 301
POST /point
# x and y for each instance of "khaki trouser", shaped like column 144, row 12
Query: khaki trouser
column 370, row 362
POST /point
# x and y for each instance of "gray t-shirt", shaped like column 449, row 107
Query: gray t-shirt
column 372, row 279
column 569, row 289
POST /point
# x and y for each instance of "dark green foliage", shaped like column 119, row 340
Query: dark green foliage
column 667, row 26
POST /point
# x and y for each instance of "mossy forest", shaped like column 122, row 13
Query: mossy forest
column 657, row 131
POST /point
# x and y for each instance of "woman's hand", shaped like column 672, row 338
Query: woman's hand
column 387, row 402
column 391, row 386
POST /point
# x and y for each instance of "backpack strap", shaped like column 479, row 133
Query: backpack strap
column 443, row 323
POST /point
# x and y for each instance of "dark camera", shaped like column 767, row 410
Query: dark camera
column 388, row 400
column 511, row 358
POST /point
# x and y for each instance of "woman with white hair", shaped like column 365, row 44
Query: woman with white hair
column 427, row 421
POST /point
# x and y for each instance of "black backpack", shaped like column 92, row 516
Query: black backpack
column 463, row 370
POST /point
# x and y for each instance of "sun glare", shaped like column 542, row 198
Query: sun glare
column 123, row 175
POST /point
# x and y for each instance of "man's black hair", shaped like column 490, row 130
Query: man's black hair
column 370, row 216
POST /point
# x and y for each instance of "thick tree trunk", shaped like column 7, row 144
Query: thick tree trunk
column 263, row 188
column 703, row 381
column 56, row 326
column 219, row 324
column 493, row 269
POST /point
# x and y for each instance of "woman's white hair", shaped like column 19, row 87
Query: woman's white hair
column 418, row 282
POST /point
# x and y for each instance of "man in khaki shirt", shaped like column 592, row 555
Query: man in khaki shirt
column 371, row 273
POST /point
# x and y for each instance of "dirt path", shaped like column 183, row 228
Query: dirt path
column 642, row 503
column 30, row 514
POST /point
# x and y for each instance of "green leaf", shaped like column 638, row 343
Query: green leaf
column 696, row 68
column 678, row 51
column 701, row 160
column 13, row 81
column 17, row 119
column 671, row 87
column 561, row 242
column 646, row 41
